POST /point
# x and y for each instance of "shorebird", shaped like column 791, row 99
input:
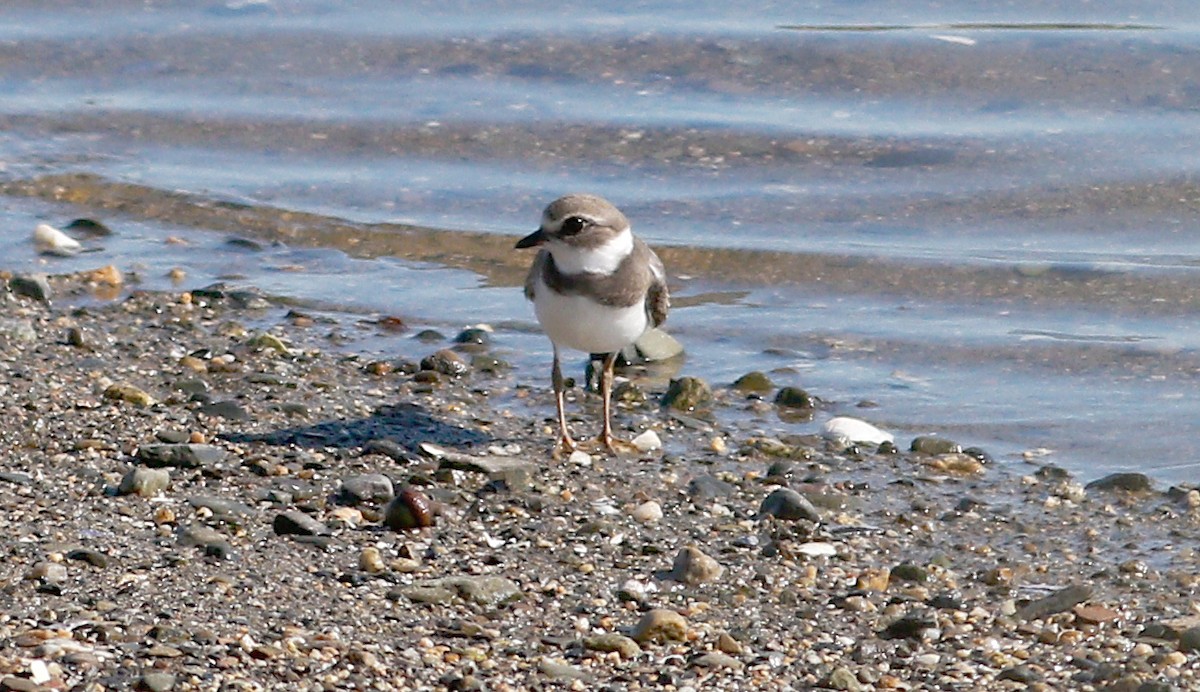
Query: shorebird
column 595, row 288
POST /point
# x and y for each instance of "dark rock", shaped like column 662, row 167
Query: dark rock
column 1189, row 639
column 788, row 505
column 794, row 397
column 89, row 227
column 928, row 444
column 35, row 286
column 222, row 509
column 911, row 626
column 687, row 394
column 92, row 557
column 1129, row 482
column 1021, row 673
column 754, row 383
column 474, row 336
column 296, row 523
column 182, row 455
column 909, row 572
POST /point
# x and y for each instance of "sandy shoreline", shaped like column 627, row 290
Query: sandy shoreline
column 264, row 564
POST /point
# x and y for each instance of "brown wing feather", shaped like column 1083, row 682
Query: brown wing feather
column 658, row 298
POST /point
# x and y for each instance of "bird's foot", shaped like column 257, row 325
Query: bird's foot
column 564, row 446
column 615, row 445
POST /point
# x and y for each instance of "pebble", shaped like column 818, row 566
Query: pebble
column 156, row 682
column 182, row 455
column 817, row 549
column 1060, row 601
column 716, row 659
column 129, row 394
column 729, row 645
column 560, row 670
column 48, row 240
column 610, row 642
column 580, row 458
column 647, row 441
column 445, row 362
column 647, row 512
column 657, row 345
column 793, row 397
column 687, row 394
column 1128, row 482
column 928, row 444
column 842, row 678
column 371, row 560
column 35, row 286
column 1189, row 639
column 788, row 505
column 754, row 383
column 296, row 523
column 13, row 329
column 855, row 430
column 481, row 590
column 367, row 488
column 660, row 625
column 693, row 567
column 411, row 509
column 144, row 482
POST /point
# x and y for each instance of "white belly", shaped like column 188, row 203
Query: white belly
column 575, row 322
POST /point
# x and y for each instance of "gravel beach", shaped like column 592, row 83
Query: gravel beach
column 207, row 490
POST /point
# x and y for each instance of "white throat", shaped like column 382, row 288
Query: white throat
column 598, row 260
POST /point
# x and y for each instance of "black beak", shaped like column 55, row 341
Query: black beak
column 532, row 240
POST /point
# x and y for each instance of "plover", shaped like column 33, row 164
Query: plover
column 595, row 288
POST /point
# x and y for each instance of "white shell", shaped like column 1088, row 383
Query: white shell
column 50, row 241
column 817, row 549
column 855, row 430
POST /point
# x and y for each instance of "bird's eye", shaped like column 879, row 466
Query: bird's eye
column 572, row 226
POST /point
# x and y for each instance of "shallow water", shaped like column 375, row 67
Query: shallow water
column 981, row 218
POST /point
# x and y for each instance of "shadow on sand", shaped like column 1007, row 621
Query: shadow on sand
column 406, row 425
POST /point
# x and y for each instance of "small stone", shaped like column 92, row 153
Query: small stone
column 647, row 441
column 49, row 572
column 367, row 488
column 266, row 341
column 955, row 463
column 855, row 430
column 1189, row 640
column 446, row 362
column 105, row 276
column 1128, row 482
column 660, row 625
column 647, row 512
column 515, row 473
column 229, row 410
column 843, row 678
column 817, row 549
column 909, row 572
column 156, row 682
column 482, row 590
column 793, row 397
column 48, row 240
column 474, row 336
column 371, row 560
column 657, row 345
column 708, row 487
column 729, row 645
column 788, row 505
column 693, row 567
column 873, row 579
column 928, row 444
column 411, row 509
column 1095, row 614
column 1060, row 601
column 144, row 482
column 754, row 383
column 182, row 455
column 687, row 394
column 1021, row 673
column 296, row 523
column 580, row 458
column 17, row 330
column 612, row 641
column 94, row 558
column 35, row 286
column 129, row 394
column 559, row 670
column 716, row 659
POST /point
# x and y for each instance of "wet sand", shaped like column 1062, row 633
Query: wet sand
column 263, row 561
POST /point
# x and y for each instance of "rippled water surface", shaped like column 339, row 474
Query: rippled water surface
column 979, row 216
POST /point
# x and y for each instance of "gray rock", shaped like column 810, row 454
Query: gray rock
column 230, row 410
column 556, row 670
column 754, row 383
column 788, row 505
column 222, row 509
column 842, row 678
column 94, row 558
column 446, row 362
column 655, row 344
column 1060, row 601
column 794, row 397
column 716, row 659
column 297, row 523
column 144, row 482
column 14, row 329
column 1189, row 640
column 708, row 488
column 182, row 455
column 1129, row 482
column 482, row 590
column 367, row 488
column 36, row 286
column 156, row 682
column 213, row 542
column 927, row 444
column 16, row 478
column 516, row 473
